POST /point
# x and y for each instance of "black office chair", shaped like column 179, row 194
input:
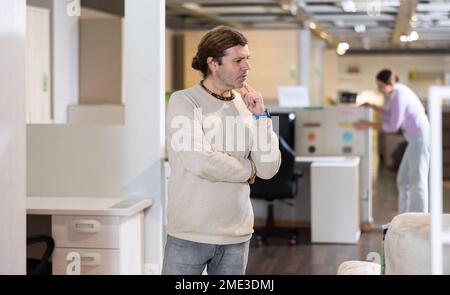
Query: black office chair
column 281, row 187
column 40, row 266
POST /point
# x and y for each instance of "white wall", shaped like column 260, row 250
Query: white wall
column 402, row 64
column 12, row 137
column 144, row 77
column 65, row 60
column 75, row 160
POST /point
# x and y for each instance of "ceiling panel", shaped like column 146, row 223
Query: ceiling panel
column 339, row 18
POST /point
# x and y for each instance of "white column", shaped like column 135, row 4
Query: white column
column 316, row 83
column 304, row 58
column 144, row 83
column 65, row 58
column 12, row 137
column 435, row 96
column 331, row 74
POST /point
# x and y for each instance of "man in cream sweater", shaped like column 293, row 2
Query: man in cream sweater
column 218, row 141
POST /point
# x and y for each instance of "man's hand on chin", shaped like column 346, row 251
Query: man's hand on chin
column 252, row 99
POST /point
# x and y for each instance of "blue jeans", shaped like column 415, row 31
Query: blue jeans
column 182, row 257
column 412, row 178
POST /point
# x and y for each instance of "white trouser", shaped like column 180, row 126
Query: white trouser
column 412, row 178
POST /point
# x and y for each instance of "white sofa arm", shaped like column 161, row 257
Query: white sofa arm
column 359, row 268
column 407, row 245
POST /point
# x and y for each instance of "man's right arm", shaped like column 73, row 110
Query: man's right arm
column 188, row 141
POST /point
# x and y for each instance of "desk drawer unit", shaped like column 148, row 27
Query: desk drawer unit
column 86, row 231
column 98, row 245
column 91, row 261
column 94, row 236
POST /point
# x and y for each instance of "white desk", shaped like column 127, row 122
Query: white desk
column 334, row 199
column 94, row 235
column 343, row 160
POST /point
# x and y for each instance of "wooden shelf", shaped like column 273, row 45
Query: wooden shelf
column 426, row 76
column 349, row 77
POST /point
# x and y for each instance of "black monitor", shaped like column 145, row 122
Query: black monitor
column 347, row 97
column 284, row 126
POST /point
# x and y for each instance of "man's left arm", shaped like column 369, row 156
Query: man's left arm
column 265, row 152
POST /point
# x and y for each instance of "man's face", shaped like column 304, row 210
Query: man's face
column 235, row 67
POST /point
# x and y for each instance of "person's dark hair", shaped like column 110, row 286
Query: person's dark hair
column 388, row 77
column 214, row 44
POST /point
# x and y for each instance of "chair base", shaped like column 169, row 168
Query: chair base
column 260, row 236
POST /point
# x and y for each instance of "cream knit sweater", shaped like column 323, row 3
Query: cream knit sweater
column 213, row 147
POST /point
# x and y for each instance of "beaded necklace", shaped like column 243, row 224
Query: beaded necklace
column 217, row 95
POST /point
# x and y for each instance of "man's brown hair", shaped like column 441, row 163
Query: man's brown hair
column 214, row 44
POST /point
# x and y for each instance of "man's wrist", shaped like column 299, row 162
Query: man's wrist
column 264, row 114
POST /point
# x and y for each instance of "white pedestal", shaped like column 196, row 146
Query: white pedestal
column 334, row 200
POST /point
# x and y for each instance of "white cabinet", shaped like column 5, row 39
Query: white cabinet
column 95, row 236
column 335, row 201
column 38, row 78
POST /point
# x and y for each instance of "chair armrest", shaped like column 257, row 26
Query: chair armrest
column 298, row 173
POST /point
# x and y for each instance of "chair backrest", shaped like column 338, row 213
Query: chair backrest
column 284, row 184
column 38, row 267
column 284, row 126
column 286, row 171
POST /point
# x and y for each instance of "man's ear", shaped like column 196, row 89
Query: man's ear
column 212, row 63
